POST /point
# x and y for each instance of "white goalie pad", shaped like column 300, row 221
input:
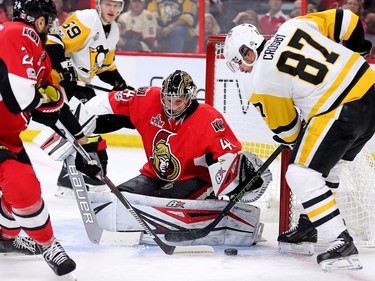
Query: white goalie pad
column 241, row 227
column 56, row 146
column 231, row 169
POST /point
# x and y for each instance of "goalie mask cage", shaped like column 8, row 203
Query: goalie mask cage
column 356, row 194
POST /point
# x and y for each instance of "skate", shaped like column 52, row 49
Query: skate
column 341, row 254
column 299, row 239
column 57, row 259
column 19, row 245
column 65, row 189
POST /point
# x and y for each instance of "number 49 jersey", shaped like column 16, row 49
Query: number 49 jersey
column 305, row 66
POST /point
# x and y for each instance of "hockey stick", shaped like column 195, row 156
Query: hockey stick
column 95, row 233
column 95, row 87
column 193, row 234
column 168, row 249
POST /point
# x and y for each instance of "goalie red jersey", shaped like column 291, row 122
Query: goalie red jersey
column 23, row 65
column 174, row 151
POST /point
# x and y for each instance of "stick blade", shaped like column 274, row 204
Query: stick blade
column 199, row 250
column 188, row 235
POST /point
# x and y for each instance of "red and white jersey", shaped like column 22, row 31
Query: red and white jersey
column 23, row 65
column 176, row 152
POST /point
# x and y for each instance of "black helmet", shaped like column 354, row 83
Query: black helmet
column 29, row 10
column 178, row 85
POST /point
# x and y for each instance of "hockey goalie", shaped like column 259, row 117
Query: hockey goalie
column 194, row 165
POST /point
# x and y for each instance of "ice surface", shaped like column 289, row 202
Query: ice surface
column 143, row 263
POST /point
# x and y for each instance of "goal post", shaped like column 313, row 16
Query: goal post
column 226, row 91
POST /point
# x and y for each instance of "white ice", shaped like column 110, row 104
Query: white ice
column 261, row 262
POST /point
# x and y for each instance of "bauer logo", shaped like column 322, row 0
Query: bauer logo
column 176, row 204
column 218, row 125
column 219, row 175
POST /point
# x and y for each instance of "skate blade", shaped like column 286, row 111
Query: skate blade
column 71, row 276
column 301, row 249
column 347, row 263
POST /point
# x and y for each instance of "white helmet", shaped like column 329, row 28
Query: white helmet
column 238, row 39
column 98, row 8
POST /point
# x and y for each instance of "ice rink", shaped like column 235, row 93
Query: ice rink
column 143, row 263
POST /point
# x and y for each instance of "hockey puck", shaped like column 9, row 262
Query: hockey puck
column 231, row 252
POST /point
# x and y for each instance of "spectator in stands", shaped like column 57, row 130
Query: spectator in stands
column 370, row 30
column 297, row 9
column 176, row 24
column 210, row 27
column 356, row 7
column 315, row 6
column 248, row 16
column 271, row 21
column 216, row 9
column 140, row 28
column 6, row 11
column 61, row 13
column 73, row 5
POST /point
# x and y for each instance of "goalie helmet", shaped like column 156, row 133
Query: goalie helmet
column 99, row 9
column 177, row 91
column 29, row 10
column 238, row 40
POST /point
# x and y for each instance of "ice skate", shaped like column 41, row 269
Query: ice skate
column 341, row 254
column 19, row 245
column 299, row 239
column 57, row 259
column 65, row 189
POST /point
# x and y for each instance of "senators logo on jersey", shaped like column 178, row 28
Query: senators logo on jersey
column 165, row 164
column 218, row 125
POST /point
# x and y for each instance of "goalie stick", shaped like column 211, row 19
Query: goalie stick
column 95, row 233
column 168, row 249
column 95, row 87
column 193, row 234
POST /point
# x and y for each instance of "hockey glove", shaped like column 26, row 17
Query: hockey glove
column 121, row 85
column 48, row 112
column 97, row 150
column 68, row 75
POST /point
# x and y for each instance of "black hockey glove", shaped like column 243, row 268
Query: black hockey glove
column 121, row 85
column 97, row 150
column 68, row 75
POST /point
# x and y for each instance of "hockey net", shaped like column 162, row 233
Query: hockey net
column 356, row 193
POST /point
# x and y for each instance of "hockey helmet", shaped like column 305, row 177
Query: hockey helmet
column 177, row 91
column 29, row 10
column 238, row 42
column 99, row 9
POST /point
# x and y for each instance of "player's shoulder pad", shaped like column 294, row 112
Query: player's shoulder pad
column 89, row 18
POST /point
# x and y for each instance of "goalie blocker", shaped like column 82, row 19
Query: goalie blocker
column 232, row 169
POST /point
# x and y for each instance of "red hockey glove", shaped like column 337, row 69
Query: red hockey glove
column 97, row 150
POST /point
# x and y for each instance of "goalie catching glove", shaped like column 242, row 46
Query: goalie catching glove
column 53, row 100
column 96, row 148
column 232, row 169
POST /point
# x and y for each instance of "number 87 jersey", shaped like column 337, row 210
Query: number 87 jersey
column 308, row 65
